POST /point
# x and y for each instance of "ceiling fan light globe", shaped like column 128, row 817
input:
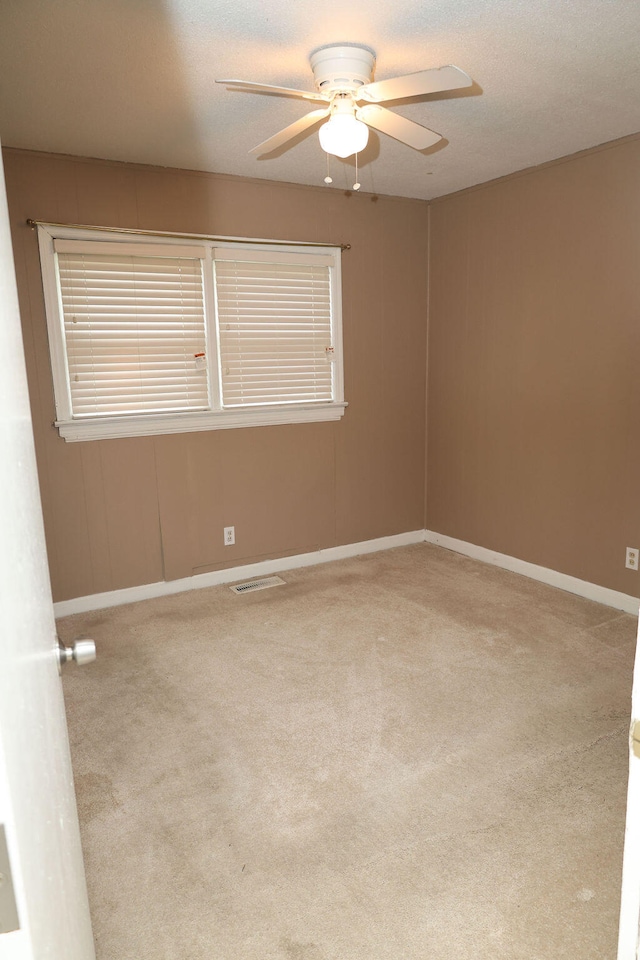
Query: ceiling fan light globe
column 343, row 135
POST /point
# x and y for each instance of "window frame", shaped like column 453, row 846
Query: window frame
column 217, row 417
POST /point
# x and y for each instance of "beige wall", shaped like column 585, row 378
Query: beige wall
column 533, row 381
column 125, row 512
column 534, row 369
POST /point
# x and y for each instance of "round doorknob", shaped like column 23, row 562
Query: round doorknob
column 82, row 651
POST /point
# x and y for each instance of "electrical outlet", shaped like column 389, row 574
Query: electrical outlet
column 631, row 561
column 230, row 539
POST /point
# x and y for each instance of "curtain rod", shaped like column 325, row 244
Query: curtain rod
column 181, row 236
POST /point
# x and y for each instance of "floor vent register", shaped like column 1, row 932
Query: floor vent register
column 263, row 584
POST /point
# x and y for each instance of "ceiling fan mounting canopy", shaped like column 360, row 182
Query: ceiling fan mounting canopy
column 342, row 67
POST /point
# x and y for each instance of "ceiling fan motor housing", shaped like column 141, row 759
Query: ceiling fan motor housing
column 345, row 66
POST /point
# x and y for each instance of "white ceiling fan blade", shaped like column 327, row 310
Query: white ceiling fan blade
column 299, row 126
column 436, row 80
column 268, row 88
column 406, row 131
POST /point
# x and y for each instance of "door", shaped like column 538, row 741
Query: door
column 43, row 899
column 628, row 939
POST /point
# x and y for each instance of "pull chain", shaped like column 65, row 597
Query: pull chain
column 328, row 178
column 356, row 185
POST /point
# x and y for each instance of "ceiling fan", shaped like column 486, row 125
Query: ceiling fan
column 343, row 75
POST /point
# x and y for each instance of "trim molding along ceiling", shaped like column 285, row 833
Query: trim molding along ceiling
column 147, row 591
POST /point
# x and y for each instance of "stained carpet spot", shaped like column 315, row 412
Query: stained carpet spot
column 95, row 795
column 585, row 895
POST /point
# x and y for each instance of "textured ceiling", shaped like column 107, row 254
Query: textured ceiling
column 134, row 80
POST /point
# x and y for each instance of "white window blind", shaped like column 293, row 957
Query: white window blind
column 274, row 323
column 134, row 325
column 156, row 333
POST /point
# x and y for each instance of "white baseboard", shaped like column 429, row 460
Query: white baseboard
column 146, row 591
column 591, row 591
column 115, row 598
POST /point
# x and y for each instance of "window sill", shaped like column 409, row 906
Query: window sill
column 111, row 428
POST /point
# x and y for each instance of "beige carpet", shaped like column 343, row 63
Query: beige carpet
column 404, row 755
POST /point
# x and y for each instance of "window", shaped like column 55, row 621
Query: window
column 165, row 335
